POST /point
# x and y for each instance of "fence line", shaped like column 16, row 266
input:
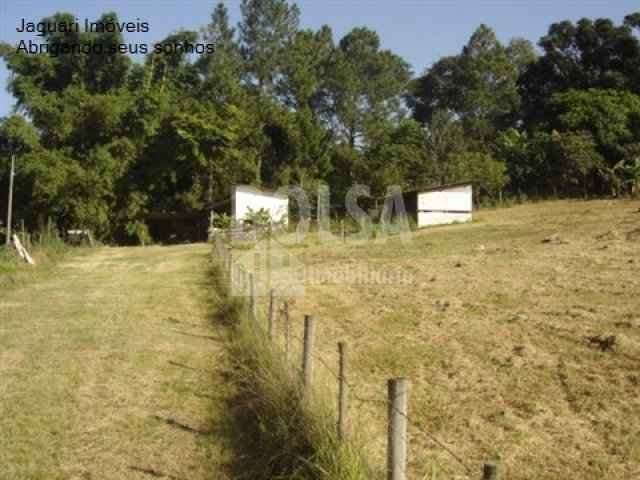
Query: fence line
column 397, row 395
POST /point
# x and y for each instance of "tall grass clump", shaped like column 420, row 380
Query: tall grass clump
column 279, row 430
column 46, row 248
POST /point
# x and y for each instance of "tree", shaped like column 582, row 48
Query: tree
column 222, row 69
column 266, row 28
column 632, row 171
column 489, row 176
column 306, row 67
column 17, row 138
column 98, row 67
column 444, row 140
column 512, row 147
column 578, row 159
column 169, row 67
column 611, row 118
column 400, row 158
column 366, row 86
column 198, row 152
column 588, row 54
column 479, row 85
column 17, row 135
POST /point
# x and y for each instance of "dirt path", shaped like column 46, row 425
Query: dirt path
column 112, row 369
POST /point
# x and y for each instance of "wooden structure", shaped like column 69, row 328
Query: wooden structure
column 445, row 204
column 21, row 250
column 246, row 199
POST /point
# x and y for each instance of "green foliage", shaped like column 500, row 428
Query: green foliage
column 222, row 221
column 479, row 85
column 17, row 136
column 140, row 232
column 223, row 68
column 489, row 176
column 444, row 140
column 632, row 172
column 267, row 27
column 286, row 433
column 260, row 217
column 577, row 158
column 611, row 116
column 587, row 54
column 366, row 85
column 104, row 143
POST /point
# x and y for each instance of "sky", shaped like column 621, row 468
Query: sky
column 421, row 31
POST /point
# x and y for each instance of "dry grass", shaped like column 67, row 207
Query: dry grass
column 110, row 368
column 279, row 430
column 14, row 272
column 501, row 336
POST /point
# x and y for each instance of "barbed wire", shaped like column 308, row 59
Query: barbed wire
column 353, row 387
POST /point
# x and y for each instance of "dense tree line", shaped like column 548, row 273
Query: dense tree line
column 104, row 141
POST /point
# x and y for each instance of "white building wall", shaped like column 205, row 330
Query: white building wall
column 440, row 218
column 448, row 205
column 246, row 199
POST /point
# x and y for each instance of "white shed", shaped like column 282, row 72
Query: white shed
column 246, row 199
column 440, row 205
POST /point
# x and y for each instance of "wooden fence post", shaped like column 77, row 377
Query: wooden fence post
column 397, row 441
column 490, row 471
column 252, row 299
column 343, row 392
column 307, row 352
column 257, row 268
column 344, row 237
column 287, row 330
column 272, row 306
column 268, row 257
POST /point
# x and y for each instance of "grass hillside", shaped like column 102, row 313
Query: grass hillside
column 110, row 368
column 520, row 334
column 15, row 272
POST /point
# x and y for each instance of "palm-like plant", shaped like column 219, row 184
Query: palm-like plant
column 632, row 172
column 612, row 175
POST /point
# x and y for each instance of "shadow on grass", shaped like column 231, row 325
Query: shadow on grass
column 272, row 431
column 172, row 422
column 152, row 472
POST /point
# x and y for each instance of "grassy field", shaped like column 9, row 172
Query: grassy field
column 502, row 328
column 110, row 367
column 520, row 334
column 15, row 272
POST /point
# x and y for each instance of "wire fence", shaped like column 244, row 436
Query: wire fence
column 276, row 318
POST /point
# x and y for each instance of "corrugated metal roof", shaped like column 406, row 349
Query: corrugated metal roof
column 439, row 187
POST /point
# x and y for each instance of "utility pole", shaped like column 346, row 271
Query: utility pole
column 10, row 207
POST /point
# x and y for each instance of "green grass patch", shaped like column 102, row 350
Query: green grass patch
column 16, row 272
column 279, row 430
